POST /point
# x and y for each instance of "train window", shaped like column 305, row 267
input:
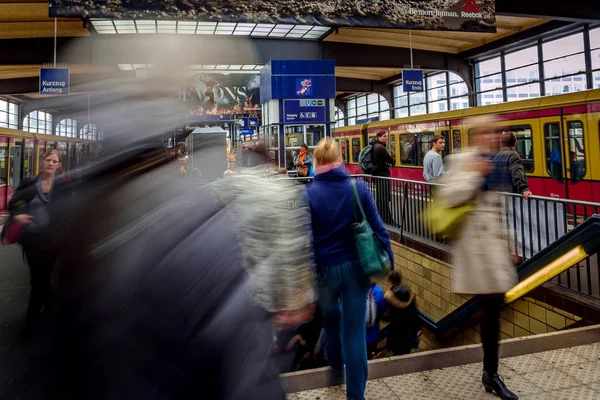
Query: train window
column 28, row 160
column 355, row 149
column 524, row 144
column 446, row 135
column 3, row 162
column 553, row 152
column 408, row 149
column 15, row 166
column 456, row 141
column 62, row 148
column 345, row 149
column 392, row 147
column 424, row 145
column 576, row 150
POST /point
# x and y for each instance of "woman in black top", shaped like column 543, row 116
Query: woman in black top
column 30, row 209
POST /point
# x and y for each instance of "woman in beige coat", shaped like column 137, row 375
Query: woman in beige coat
column 481, row 263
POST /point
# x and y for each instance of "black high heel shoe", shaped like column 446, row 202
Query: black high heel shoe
column 495, row 384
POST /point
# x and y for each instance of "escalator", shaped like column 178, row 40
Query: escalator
column 572, row 248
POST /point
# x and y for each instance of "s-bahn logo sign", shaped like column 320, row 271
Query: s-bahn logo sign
column 456, row 15
column 304, row 87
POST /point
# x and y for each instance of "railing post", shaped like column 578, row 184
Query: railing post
column 404, row 202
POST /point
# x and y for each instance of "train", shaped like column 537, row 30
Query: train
column 558, row 139
column 21, row 156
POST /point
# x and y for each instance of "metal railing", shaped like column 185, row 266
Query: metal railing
column 531, row 225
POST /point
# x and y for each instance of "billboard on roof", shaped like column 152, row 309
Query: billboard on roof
column 455, row 15
column 208, row 93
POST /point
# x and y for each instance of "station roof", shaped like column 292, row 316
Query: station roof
column 368, row 54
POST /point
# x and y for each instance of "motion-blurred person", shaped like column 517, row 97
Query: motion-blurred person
column 274, row 233
column 342, row 286
column 481, row 263
column 509, row 176
column 30, row 218
column 404, row 328
column 375, row 305
column 382, row 162
column 433, row 165
column 154, row 299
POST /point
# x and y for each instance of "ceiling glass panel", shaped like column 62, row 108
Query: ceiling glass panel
column 108, row 26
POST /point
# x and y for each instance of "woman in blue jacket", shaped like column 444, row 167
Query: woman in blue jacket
column 342, row 286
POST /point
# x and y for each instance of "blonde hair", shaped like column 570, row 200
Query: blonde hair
column 327, row 152
column 53, row 152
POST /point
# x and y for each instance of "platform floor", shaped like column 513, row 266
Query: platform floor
column 565, row 374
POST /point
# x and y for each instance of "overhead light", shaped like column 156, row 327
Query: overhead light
column 149, row 26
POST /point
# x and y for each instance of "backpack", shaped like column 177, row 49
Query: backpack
column 365, row 159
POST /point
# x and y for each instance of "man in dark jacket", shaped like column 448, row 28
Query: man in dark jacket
column 154, row 302
column 509, row 165
column 382, row 162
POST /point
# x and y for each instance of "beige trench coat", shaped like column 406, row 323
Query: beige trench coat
column 480, row 258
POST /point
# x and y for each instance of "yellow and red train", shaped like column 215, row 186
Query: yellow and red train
column 558, row 140
column 21, row 156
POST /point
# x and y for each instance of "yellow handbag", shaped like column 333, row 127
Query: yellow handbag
column 445, row 220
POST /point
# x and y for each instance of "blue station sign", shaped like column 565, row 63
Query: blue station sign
column 412, row 80
column 304, row 111
column 54, row 81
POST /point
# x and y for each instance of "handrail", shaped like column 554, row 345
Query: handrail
column 548, row 263
column 433, row 184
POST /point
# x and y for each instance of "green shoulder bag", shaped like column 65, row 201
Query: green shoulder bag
column 373, row 258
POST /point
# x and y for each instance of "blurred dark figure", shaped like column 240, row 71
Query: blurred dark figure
column 308, row 355
column 154, row 302
column 401, row 311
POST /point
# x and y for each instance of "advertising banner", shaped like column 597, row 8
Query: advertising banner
column 456, row 15
column 218, row 94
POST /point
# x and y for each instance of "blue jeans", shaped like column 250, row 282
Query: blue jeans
column 343, row 300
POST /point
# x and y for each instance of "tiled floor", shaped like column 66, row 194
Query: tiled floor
column 565, row 374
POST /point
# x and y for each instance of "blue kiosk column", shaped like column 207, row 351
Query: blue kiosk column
column 297, row 98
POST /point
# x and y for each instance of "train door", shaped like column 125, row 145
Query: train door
column 574, row 157
column 553, row 155
column 16, row 155
column 28, row 157
column 3, row 173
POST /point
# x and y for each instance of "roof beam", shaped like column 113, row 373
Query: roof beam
column 155, row 49
column 579, row 11
column 345, row 54
column 26, row 12
column 25, row 30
